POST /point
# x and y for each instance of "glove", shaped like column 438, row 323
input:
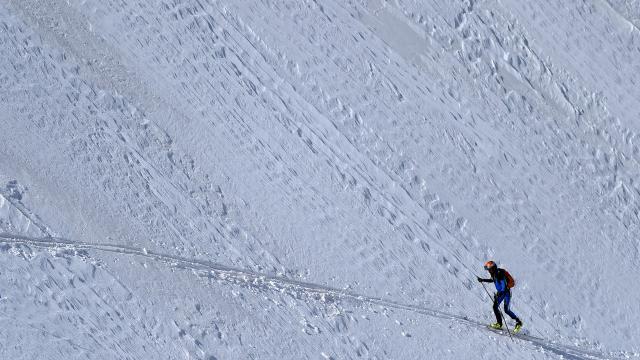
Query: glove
column 479, row 278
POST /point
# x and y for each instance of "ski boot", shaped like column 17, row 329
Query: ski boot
column 495, row 326
column 518, row 327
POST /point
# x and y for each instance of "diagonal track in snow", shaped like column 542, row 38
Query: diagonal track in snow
column 260, row 281
column 397, row 205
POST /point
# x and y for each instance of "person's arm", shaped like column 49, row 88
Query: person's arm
column 483, row 280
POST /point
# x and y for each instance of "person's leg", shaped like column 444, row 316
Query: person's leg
column 496, row 308
column 507, row 301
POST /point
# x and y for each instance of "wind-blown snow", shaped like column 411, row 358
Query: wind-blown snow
column 215, row 179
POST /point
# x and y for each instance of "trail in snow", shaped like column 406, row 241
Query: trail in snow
column 310, row 290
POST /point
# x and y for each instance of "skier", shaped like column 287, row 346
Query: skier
column 503, row 282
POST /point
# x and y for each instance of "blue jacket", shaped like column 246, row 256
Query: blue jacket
column 499, row 280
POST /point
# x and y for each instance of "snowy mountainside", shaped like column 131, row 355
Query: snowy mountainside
column 302, row 179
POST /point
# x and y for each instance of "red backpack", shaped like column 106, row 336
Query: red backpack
column 511, row 282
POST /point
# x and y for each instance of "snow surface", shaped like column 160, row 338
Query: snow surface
column 271, row 179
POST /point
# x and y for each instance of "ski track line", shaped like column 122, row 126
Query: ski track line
column 252, row 279
column 33, row 218
column 117, row 78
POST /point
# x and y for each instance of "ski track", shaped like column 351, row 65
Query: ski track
column 379, row 180
column 265, row 282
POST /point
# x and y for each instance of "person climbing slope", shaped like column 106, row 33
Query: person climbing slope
column 503, row 282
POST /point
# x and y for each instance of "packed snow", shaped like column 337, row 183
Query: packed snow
column 318, row 179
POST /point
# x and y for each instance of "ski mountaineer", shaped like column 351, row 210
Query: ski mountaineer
column 503, row 282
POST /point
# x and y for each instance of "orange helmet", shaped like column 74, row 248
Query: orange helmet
column 490, row 265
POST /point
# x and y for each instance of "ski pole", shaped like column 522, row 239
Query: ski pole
column 500, row 311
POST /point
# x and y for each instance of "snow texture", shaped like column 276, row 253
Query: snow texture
column 280, row 179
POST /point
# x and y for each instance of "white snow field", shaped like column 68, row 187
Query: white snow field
column 318, row 179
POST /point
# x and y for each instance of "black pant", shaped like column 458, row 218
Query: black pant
column 506, row 297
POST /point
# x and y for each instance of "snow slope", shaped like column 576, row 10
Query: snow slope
column 317, row 179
